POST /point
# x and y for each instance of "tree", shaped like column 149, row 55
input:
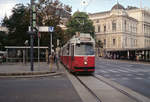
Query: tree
column 49, row 14
column 80, row 22
column 17, row 25
column 99, row 44
column 3, row 39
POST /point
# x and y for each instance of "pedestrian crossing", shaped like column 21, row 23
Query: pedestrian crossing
column 125, row 71
column 132, row 75
column 125, row 74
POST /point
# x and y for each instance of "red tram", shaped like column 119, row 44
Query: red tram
column 78, row 54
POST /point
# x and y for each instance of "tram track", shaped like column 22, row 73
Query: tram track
column 101, row 89
column 118, row 89
column 92, row 93
column 100, row 96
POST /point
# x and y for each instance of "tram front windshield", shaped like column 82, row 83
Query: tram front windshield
column 84, row 49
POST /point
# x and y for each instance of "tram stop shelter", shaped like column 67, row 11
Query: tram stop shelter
column 22, row 53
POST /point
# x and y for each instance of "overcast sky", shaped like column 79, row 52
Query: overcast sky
column 91, row 5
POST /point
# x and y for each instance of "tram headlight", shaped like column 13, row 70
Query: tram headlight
column 85, row 62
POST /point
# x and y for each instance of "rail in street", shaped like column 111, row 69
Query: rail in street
column 133, row 75
column 104, row 89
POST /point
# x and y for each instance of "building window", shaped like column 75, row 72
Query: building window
column 114, row 41
column 136, row 43
column 125, row 41
column 104, row 42
column 97, row 21
column 99, row 28
column 104, row 28
column 119, row 26
column 108, row 26
column 125, row 25
column 114, row 25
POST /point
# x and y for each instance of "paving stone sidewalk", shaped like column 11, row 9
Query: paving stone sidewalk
column 41, row 67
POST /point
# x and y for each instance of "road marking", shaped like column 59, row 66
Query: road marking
column 138, row 78
column 113, row 71
column 122, row 70
column 129, row 74
column 103, row 71
column 125, row 78
column 130, row 70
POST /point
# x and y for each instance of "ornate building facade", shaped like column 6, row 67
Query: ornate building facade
column 124, row 32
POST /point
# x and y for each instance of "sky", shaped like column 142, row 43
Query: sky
column 91, row 6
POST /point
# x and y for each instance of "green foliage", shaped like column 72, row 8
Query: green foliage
column 18, row 25
column 80, row 22
column 47, row 15
column 3, row 38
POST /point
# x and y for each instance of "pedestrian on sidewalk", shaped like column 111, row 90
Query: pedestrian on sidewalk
column 57, row 61
column 51, row 58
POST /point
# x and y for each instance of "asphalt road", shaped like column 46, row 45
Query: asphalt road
column 132, row 75
column 44, row 89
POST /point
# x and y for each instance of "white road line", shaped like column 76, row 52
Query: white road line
column 114, row 71
column 122, row 70
column 103, row 71
column 138, row 78
column 129, row 74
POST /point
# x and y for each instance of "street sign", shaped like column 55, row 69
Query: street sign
column 43, row 28
column 51, row 29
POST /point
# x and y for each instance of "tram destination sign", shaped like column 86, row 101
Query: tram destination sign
column 85, row 38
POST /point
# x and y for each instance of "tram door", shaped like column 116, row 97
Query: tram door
column 72, row 54
column 68, row 48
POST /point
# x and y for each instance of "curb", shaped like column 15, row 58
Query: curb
column 29, row 74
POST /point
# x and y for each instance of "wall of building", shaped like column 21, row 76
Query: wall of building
column 132, row 28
